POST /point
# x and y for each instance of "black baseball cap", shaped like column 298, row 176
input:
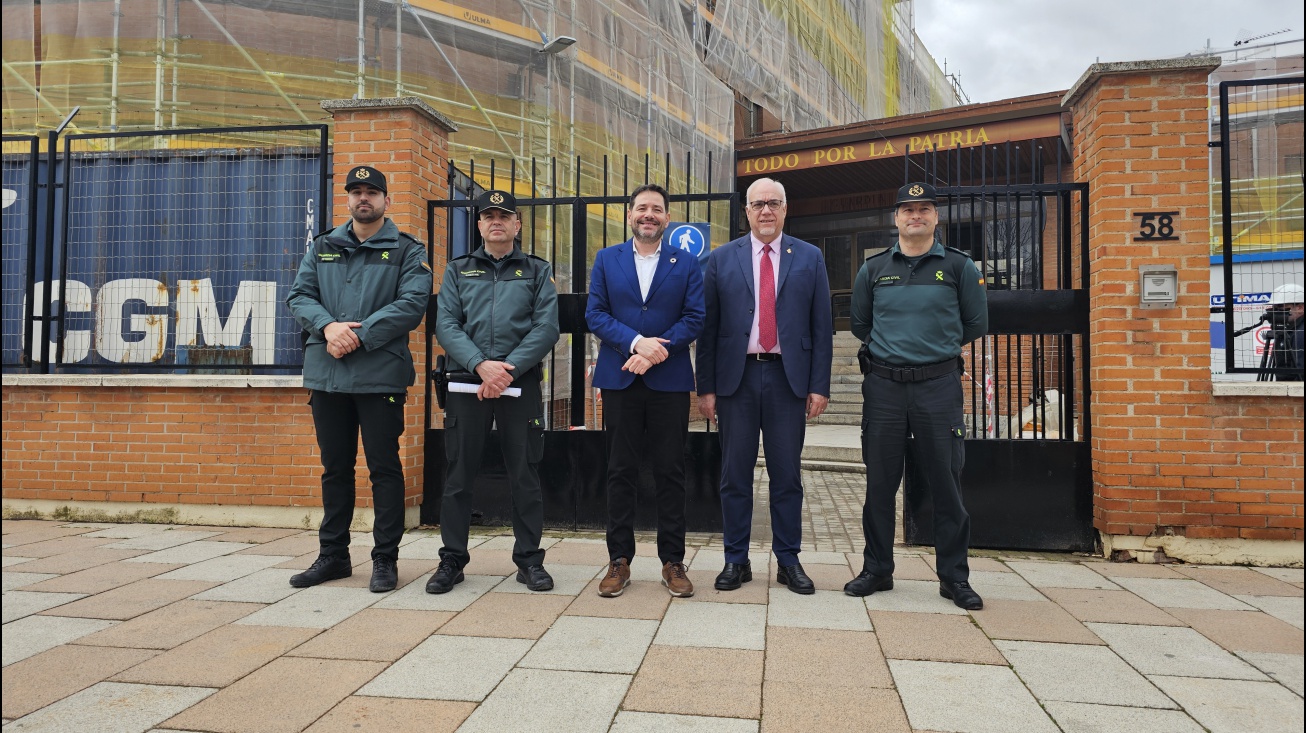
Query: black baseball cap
column 501, row 200
column 361, row 174
column 916, row 192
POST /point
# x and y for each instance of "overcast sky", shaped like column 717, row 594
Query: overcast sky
column 1010, row 48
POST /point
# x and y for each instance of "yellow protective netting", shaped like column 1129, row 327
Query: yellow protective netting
column 645, row 78
column 817, row 63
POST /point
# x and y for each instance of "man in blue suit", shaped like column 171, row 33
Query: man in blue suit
column 764, row 366
column 646, row 307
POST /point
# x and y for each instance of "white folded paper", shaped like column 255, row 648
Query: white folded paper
column 471, row 389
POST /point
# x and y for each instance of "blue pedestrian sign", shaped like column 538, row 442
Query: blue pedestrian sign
column 688, row 237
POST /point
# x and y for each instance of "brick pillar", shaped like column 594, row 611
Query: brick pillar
column 408, row 141
column 1176, row 466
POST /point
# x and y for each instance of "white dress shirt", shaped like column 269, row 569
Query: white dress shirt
column 645, row 267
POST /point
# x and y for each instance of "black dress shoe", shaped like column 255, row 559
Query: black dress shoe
column 867, row 583
column 734, row 575
column 324, row 568
column 797, row 580
column 961, row 595
column 535, row 577
column 445, row 578
column 385, row 575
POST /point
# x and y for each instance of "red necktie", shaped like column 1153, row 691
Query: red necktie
column 766, row 302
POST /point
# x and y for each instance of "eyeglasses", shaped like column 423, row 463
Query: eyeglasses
column 773, row 204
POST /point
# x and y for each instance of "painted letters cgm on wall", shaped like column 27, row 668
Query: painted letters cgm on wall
column 132, row 320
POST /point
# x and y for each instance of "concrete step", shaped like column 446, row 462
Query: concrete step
column 838, row 418
column 846, row 369
column 847, row 379
column 834, row 466
column 853, row 388
column 839, row 407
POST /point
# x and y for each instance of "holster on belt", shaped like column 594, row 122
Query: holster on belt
column 441, row 379
column 864, row 358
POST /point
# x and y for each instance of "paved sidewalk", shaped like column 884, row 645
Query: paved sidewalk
column 153, row 627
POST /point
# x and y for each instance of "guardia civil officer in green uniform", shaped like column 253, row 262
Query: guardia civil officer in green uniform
column 914, row 306
column 497, row 320
column 360, row 289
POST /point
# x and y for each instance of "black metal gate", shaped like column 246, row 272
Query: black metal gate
column 1027, row 480
column 567, row 228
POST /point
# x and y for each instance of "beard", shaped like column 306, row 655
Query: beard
column 367, row 216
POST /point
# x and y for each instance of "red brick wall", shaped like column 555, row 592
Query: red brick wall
column 180, row 445
column 1169, row 457
column 226, row 445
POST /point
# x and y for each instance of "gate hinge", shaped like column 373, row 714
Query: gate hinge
column 1215, row 144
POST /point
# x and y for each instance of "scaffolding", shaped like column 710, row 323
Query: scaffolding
column 654, row 78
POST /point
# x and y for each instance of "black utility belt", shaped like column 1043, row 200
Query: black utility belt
column 915, row 373
column 763, row 357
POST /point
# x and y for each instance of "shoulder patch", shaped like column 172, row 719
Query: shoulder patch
column 535, row 257
column 961, row 252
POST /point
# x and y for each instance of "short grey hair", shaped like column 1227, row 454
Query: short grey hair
column 748, row 195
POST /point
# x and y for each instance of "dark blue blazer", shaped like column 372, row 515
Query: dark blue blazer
column 616, row 314
column 802, row 311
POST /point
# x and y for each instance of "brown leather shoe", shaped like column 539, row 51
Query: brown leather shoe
column 618, row 577
column 676, row 581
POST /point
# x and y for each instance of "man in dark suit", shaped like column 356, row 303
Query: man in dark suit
column 646, row 307
column 764, row 366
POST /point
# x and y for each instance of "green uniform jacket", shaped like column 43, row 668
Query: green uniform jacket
column 501, row 311
column 383, row 283
column 918, row 315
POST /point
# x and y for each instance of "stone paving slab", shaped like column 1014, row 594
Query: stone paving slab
column 1185, row 593
column 20, row 604
column 1288, row 610
column 156, row 541
column 1167, row 650
column 629, row 721
column 378, row 635
column 1242, row 631
column 933, row 637
column 1080, row 673
column 293, row 546
column 315, row 686
column 1133, row 570
column 15, row 560
column 1287, row 575
column 112, row 707
column 1110, row 606
column 1235, row 706
column 913, row 596
column 722, row 625
column 824, row 577
column 1076, row 717
column 642, row 599
column 967, row 698
column 723, row 683
column 228, row 653
column 126, row 531
column 905, row 567
column 409, row 571
column 171, row 625
column 223, row 569
column 1032, row 621
column 32, row 635
column 1240, row 581
column 264, row 586
column 756, row 590
column 578, row 702
column 824, row 609
column 585, row 644
column 508, row 615
column 413, row 596
column 191, row 552
column 393, row 715
column 252, row 535
column 71, row 562
column 59, row 546
column 52, row 675
column 449, row 668
column 14, row 580
column 1005, row 586
column 319, row 607
column 101, row 578
column 1286, row 669
column 130, row 601
column 1060, row 575
column 822, row 710
column 568, row 580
